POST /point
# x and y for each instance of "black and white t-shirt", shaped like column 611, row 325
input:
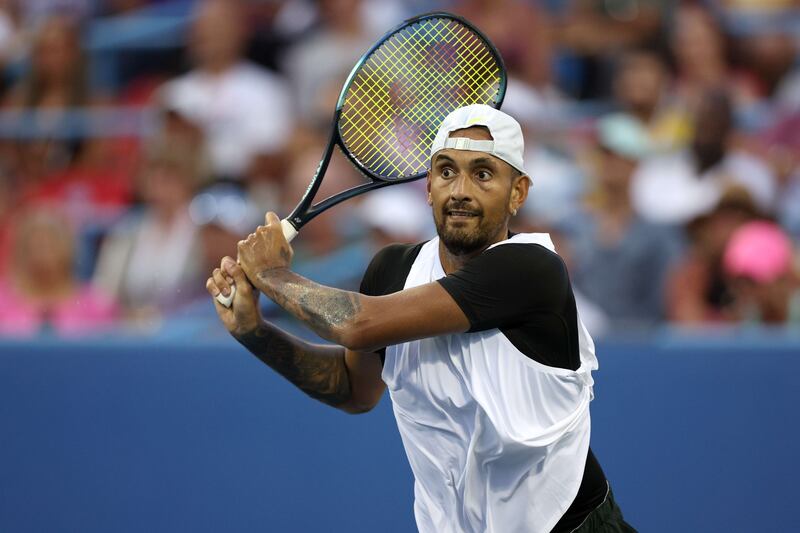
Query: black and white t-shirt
column 523, row 291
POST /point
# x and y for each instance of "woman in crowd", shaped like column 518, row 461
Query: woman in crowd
column 55, row 82
column 40, row 289
column 152, row 260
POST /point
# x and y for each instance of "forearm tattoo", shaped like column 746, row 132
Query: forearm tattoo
column 325, row 310
column 317, row 370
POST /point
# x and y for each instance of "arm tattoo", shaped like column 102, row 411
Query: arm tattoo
column 325, row 310
column 317, row 370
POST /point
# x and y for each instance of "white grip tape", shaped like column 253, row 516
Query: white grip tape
column 288, row 232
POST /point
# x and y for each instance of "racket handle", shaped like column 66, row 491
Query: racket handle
column 289, row 232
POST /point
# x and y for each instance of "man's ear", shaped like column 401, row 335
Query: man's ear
column 428, row 187
column 519, row 192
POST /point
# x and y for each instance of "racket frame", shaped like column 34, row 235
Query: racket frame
column 305, row 209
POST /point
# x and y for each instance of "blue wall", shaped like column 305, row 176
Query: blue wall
column 132, row 436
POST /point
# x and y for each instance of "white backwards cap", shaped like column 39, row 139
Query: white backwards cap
column 506, row 144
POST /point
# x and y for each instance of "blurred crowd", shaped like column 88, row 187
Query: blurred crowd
column 140, row 140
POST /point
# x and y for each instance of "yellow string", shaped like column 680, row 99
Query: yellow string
column 412, row 81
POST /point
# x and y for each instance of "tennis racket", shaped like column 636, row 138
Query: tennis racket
column 393, row 102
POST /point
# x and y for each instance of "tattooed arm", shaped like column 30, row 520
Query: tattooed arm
column 356, row 321
column 319, row 371
column 331, row 374
column 329, row 312
column 360, row 322
column 342, row 378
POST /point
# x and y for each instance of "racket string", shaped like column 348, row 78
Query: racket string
column 428, row 97
column 375, row 148
column 407, row 86
column 403, row 103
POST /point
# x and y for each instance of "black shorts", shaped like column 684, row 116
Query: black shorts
column 606, row 518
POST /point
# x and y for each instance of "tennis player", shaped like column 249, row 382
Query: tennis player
column 475, row 334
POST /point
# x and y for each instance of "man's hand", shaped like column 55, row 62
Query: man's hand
column 265, row 249
column 243, row 316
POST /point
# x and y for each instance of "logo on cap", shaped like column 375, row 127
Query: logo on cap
column 475, row 120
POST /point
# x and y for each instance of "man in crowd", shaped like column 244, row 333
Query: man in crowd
column 243, row 109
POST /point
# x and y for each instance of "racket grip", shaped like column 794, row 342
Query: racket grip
column 289, row 232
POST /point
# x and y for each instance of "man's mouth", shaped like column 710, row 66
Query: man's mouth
column 460, row 213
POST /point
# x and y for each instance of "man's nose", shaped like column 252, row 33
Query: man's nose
column 461, row 189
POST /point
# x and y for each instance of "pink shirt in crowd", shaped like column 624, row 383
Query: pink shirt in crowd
column 87, row 311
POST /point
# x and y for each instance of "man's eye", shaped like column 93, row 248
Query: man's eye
column 484, row 175
column 447, row 172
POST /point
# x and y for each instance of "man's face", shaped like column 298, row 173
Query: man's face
column 640, row 82
column 614, row 172
column 217, row 34
column 472, row 195
column 713, row 125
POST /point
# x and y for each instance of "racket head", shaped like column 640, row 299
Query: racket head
column 400, row 91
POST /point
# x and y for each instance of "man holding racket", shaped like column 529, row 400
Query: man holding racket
column 475, row 334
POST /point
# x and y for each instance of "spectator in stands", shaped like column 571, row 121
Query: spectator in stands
column 152, row 261
column 769, row 55
column 676, row 187
column 701, row 56
column 265, row 180
column 619, row 261
column 242, row 108
column 787, row 93
column 697, row 292
column 57, row 157
column 396, row 214
column 521, row 32
column 559, row 183
column 11, row 34
column 594, row 31
column 55, row 82
column 765, row 41
column 782, row 143
column 40, row 289
column 317, row 65
column 224, row 215
column 642, row 90
column 57, row 75
column 758, row 263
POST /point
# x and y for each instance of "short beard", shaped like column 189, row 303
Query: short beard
column 461, row 242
